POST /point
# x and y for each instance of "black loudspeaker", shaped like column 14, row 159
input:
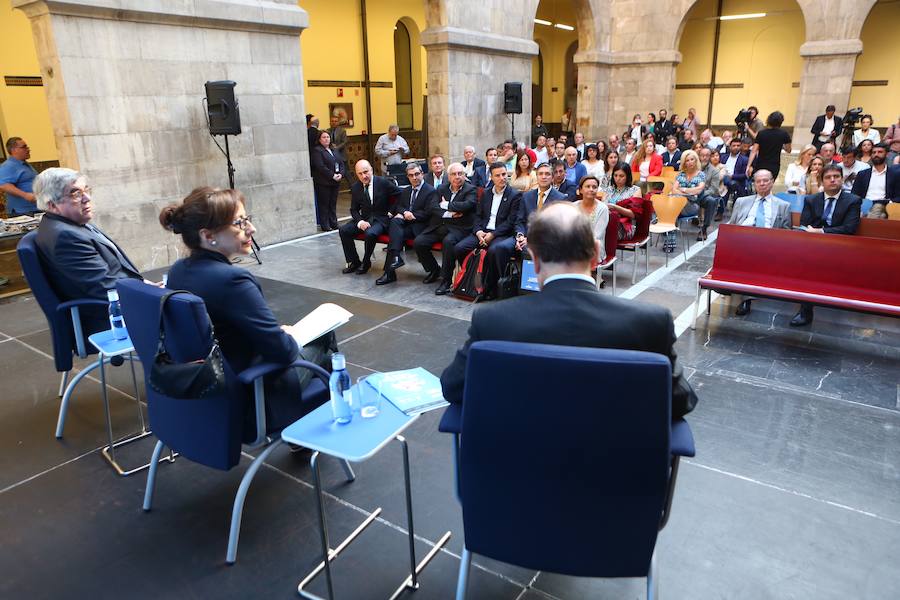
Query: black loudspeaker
column 512, row 97
column 222, row 108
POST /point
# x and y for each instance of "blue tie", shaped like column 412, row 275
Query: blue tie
column 760, row 213
column 829, row 210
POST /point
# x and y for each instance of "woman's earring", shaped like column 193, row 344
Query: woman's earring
column 213, row 242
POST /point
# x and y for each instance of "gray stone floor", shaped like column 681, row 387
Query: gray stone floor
column 794, row 492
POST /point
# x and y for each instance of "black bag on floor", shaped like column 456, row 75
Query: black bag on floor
column 508, row 285
column 469, row 282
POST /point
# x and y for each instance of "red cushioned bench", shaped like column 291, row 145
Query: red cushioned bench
column 876, row 228
column 839, row 271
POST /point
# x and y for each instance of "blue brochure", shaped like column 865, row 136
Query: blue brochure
column 413, row 391
column 529, row 279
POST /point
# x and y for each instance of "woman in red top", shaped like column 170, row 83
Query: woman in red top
column 647, row 163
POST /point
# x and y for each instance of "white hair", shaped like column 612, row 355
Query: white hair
column 51, row 185
column 469, row 149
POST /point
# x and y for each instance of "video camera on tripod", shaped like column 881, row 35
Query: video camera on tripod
column 741, row 120
column 850, row 120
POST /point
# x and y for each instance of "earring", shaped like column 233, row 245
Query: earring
column 213, row 242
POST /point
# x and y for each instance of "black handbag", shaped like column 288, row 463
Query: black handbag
column 508, row 285
column 192, row 380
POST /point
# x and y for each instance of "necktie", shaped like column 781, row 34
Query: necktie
column 541, row 199
column 412, row 200
column 760, row 213
column 829, row 210
column 367, row 193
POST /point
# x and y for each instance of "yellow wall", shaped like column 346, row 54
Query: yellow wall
column 332, row 50
column 23, row 110
column 879, row 61
column 763, row 54
column 554, row 43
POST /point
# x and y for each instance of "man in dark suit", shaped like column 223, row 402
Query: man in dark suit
column 436, row 177
column 736, row 168
column 495, row 226
column 560, row 183
column 534, row 200
column 410, row 218
column 830, row 211
column 371, row 202
column 880, row 184
column 475, row 167
column 826, row 128
column 78, row 259
column 569, row 310
column 452, row 213
column 664, row 127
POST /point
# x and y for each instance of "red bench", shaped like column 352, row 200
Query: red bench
column 876, row 228
column 839, row 271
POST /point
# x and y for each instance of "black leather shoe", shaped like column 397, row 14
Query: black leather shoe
column 350, row 268
column 388, row 277
column 364, row 268
column 443, row 289
column 803, row 317
column 743, row 308
column 397, row 262
column 432, row 277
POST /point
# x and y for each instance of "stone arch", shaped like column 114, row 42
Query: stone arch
column 416, row 67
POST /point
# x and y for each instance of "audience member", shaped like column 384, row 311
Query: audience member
column 550, row 148
column 796, row 171
column 410, row 218
column 539, row 129
column 17, row 178
column 715, row 159
column 866, row 131
column 475, row 168
column 574, row 169
column 636, row 130
column 710, row 194
column 746, row 144
column 646, row 162
column 338, row 138
column 595, row 209
column 672, row 156
column 602, row 149
column 391, row 148
column 768, row 144
column 570, row 311
column 735, row 168
column 663, row 128
column 880, row 183
column 436, row 177
column 593, row 163
column 621, row 185
column 525, row 178
column 690, row 124
column 312, row 130
column 688, row 140
column 507, row 155
column 710, row 141
column 624, row 201
column 762, row 209
column 567, row 122
column 826, row 128
column 892, row 138
column 535, row 200
column 561, row 183
column 327, row 173
column 615, row 144
column 371, row 200
column 690, row 183
column 490, row 157
column 540, row 150
column 850, row 168
column 79, row 260
column 609, row 163
column 864, row 151
column 812, row 181
column 630, row 150
column 651, row 123
column 215, row 227
column 676, row 126
column 564, row 139
column 579, row 145
column 727, row 136
column 452, row 215
column 559, row 152
column 755, row 125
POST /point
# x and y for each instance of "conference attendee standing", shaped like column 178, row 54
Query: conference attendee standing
column 410, row 218
column 830, row 211
column 760, row 210
column 538, row 129
column 690, row 124
column 664, row 127
column 452, row 214
column 215, row 227
column 570, row 311
column 880, row 183
column 768, row 144
column 826, row 128
column 371, row 203
column 327, row 173
column 17, row 178
column 338, row 138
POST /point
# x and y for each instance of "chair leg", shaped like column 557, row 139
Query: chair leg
column 456, row 464
column 348, row 470
column 462, row 581
column 137, row 392
column 67, row 395
column 634, row 267
column 647, row 259
column 653, row 579
column 696, row 308
column 238, row 509
column 683, row 246
column 151, row 475
column 614, row 278
column 62, row 382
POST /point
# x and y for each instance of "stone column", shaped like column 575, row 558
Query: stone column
column 827, row 77
column 592, row 118
column 639, row 82
column 124, row 81
column 466, row 73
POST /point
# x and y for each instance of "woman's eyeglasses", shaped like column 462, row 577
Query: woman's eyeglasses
column 243, row 222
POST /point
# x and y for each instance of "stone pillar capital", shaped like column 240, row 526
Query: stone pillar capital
column 831, row 48
column 445, row 38
column 649, row 57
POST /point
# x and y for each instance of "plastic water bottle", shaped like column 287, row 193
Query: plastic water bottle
column 116, row 320
column 339, row 385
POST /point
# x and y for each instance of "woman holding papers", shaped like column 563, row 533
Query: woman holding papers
column 216, row 228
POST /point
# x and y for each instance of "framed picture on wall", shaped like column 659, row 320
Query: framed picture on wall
column 343, row 111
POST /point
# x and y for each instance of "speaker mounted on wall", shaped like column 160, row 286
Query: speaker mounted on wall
column 512, row 97
column 222, row 108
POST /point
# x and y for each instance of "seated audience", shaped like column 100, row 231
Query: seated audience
column 540, row 150
column 559, row 152
column 722, row 190
column 866, row 131
column 411, row 215
column 710, row 141
column 812, row 181
column 215, row 227
column 796, row 171
column 623, row 200
column 615, row 144
column 672, row 156
column 525, row 178
column 569, row 310
column 436, row 176
column 826, row 128
column 490, row 157
column 690, row 183
column 578, row 143
column 328, row 170
column 864, row 151
column 727, row 136
column 560, row 182
column 602, row 150
column 17, row 178
column 574, row 169
column 593, row 163
column 595, row 209
column 851, row 168
column 827, row 153
column 609, row 163
column 736, row 169
column 621, row 185
column 880, row 184
column 710, row 191
column 535, row 200
column 371, row 200
column 475, row 167
column 892, row 138
column 452, row 215
column 78, row 260
column 647, row 163
column 507, row 155
column 688, row 141
column 630, row 150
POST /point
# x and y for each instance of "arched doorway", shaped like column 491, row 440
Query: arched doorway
column 571, row 96
column 537, row 85
column 403, row 77
column 876, row 79
column 556, row 32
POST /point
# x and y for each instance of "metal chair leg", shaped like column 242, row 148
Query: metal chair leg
column 653, row 579
column 238, row 509
column 151, row 475
column 683, row 246
column 137, row 392
column 348, row 470
column 647, row 260
column 634, row 267
column 62, row 382
column 696, row 308
column 462, row 581
column 67, row 395
column 614, row 278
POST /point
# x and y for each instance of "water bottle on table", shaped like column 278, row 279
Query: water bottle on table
column 116, row 320
column 339, row 386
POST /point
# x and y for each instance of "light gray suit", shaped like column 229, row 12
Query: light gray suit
column 743, row 205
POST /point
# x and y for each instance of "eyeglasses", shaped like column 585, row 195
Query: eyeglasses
column 243, row 222
column 81, row 196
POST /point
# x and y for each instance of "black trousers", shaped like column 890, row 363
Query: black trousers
column 326, row 205
column 401, row 230
column 449, row 237
column 348, row 233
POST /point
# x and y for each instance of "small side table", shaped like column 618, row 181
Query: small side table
column 356, row 441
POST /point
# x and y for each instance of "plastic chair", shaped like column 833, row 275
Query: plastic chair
column 206, row 430
column 600, row 469
column 611, row 241
column 865, row 207
column 669, row 173
column 893, row 211
column 668, row 209
column 665, row 181
column 640, row 240
column 66, row 331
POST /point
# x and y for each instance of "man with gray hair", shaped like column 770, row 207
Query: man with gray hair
column 17, row 178
column 79, row 260
column 569, row 310
column 390, row 148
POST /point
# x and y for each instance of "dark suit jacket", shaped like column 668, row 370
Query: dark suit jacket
column 384, row 196
column 479, row 172
column 420, row 208
column 528, row 205
column 464, row 202
column 323, row 166
column 507, row 212
column 844, row 219
column 569, row 189
column 671, row 160
column 740, row 167
column 891, row 183
column 573, row 313
column 819, row 125
column 662, row 130
column 80, row 262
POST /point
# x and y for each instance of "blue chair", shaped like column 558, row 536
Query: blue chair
column 573, row 474
column 64, row 320
column 866, row 207
column 796, row 200
column 210, row 430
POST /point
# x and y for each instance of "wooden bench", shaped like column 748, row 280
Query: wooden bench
column 839, row 271
column 874, row 228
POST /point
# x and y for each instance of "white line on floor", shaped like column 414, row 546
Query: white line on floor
column 371, row 329
column 50, row 470
column 687, row 315
column 648, row 281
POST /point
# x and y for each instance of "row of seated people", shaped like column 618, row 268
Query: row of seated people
column 453, row 216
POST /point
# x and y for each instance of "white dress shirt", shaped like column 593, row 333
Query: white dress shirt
column 877, row 184
column 495, row 207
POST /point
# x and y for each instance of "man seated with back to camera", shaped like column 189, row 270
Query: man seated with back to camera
column 494, row 229
column 570, row 311
column 830, row 211
column 880, row 183
column 409, row 220
column 371, row 201
column 452, row 213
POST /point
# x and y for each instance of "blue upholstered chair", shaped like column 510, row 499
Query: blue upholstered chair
column 63, row 318
column 795, row 200
column 209, row 431
column 573, row 471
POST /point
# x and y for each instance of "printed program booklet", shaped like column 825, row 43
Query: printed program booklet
column 327, row 317
column 413, row 391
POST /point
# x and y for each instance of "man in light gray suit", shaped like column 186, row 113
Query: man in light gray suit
column 760, row 210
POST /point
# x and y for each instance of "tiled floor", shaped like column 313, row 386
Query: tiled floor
column 794, row 493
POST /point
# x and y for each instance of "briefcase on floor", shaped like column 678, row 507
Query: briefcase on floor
column 508, row 285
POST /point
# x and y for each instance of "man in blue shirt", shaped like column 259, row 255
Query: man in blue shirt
column 16, row 177
column 574, row 169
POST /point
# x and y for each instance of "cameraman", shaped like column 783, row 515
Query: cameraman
column 767, row 146
column 826, row 128
column 754, row 124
